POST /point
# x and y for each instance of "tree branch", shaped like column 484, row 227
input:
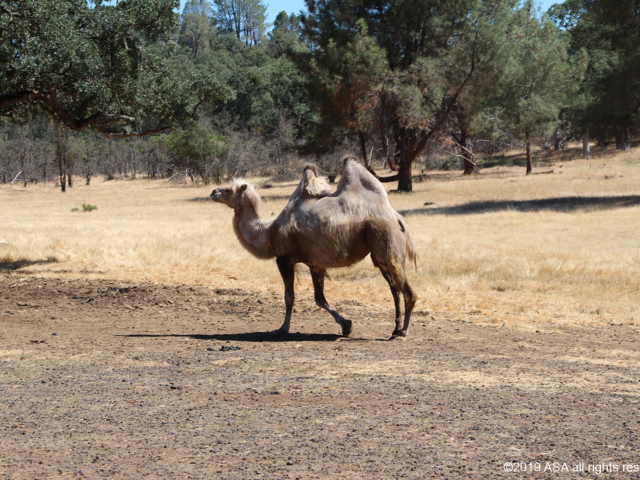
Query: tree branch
column 10, row 99
column 158, row 129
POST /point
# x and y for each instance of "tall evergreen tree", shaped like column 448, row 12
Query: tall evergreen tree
column 609, row 32
column 243, row 18
column 539, row 77
column 195, row 34
column 391, row 72
column 199, row 7
column 285, row 35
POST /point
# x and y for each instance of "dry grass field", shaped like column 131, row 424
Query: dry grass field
column 557, row 247
column 134, row 344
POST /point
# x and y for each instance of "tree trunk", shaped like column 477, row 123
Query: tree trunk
column 63, row 175
column 468, row 158
column 528, row 147
column 556, row 141
column 622, row 139
column 586, row 149
column 62, row 139
column 404, row 177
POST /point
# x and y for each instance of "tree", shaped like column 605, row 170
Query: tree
column 390, row 73
column 620, row 29
column 608, row 32
column 243, row 18
column 285, row 35
column 489, row 52
column 196, row 149
column 195, row 34
column 199, row 7
column 538, row 79
column 88, row 65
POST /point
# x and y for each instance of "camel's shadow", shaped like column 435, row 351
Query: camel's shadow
column 254, row 337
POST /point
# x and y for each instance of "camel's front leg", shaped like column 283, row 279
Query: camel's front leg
column 288, row 276
column 318, row 288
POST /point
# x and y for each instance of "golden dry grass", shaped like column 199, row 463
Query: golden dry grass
column 561, row 262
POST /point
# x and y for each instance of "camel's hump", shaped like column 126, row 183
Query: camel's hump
column 356, row 177
column 312, row 184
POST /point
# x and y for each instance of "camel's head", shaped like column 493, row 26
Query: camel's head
column 230, row 196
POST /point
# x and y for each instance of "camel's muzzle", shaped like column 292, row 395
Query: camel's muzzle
column 215, row 195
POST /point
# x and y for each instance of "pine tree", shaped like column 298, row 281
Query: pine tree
column 538, row 79
column 417, row 58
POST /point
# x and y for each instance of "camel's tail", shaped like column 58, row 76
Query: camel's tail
column 412, row 255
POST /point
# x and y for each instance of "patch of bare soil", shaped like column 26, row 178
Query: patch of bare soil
column 110, row 380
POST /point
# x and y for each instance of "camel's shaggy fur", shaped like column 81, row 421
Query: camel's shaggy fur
column 328, row 230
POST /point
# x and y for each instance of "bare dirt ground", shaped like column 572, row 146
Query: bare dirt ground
column 104, row 379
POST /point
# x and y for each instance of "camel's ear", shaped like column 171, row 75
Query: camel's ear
column 243, row 187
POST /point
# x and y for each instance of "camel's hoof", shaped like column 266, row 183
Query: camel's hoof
column 398, row 336
column 347, row 328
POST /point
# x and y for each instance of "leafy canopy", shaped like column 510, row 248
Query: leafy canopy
column 87, row 64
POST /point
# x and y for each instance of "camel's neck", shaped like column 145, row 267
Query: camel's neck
column 252, row 232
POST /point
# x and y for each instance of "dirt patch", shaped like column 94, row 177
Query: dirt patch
column 112, row 380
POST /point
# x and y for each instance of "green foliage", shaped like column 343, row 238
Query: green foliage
column 285, row 35
column 87, row 65
column 396, row 80
column 195, row 34
column 86, row 207
column 607, row 32
column 196, row 149
column 539, row 79
column 346, row 78
column 390, row 73
column 243, row 18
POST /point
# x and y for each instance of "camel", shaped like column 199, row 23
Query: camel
column 328, row 230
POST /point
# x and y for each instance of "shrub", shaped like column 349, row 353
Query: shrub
column 87, row 207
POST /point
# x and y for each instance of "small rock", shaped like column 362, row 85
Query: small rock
column 226, row 348
column 211, row 349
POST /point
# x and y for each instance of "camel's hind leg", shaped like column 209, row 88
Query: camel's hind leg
column 394, row 293
column 397, row 278
column 288, row 276
column 318, row 287
column 396, row 301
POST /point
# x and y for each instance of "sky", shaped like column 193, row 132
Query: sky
column 274, row 7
